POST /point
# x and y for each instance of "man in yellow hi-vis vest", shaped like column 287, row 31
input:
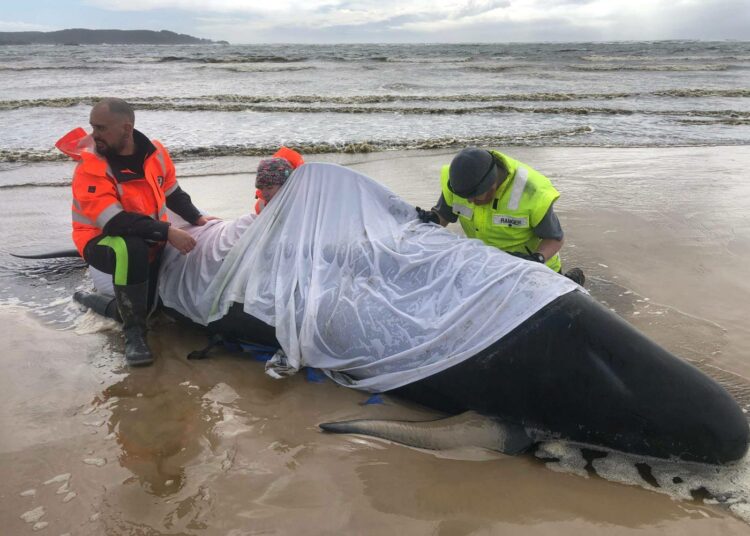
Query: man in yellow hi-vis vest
column 504, row 203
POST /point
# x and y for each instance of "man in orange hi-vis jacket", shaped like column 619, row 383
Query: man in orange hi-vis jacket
column 122, row 187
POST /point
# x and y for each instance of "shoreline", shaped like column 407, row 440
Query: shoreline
column 190, row 155
column 185, row 165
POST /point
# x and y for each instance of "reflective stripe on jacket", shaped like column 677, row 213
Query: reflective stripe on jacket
column 520, row 203
column 98, row 196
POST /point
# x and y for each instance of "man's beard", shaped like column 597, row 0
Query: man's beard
column 106, row 150
column 110, row 150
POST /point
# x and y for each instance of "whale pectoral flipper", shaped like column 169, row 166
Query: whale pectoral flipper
column 468, row 429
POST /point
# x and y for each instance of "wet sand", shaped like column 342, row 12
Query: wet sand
column 217, row 447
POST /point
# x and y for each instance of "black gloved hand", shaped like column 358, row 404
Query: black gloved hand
column 427, row 216
column 535, row 257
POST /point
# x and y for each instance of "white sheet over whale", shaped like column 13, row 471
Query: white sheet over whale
column 356, row 285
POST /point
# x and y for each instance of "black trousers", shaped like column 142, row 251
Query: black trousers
column 129, row 259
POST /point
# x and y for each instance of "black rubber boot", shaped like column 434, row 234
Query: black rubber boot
column 576, row 275
column 132, row 300
column 99, row 303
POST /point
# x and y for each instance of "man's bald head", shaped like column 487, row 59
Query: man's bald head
column 117, row 107
column 112, row 122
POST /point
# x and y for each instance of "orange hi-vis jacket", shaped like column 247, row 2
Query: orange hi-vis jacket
column 291, row 156
column 98, row 196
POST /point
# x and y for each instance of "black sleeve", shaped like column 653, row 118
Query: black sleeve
column 549, row 227
column 179, row 202
column 132, row 224
column 445, row 210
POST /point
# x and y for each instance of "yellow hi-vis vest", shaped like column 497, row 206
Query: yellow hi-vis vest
column 520, row 203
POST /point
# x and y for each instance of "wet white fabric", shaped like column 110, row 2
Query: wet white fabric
column 102, row 282
column 183, row 278
column 357, row 286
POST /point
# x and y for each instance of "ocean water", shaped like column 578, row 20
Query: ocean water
column 230, row 100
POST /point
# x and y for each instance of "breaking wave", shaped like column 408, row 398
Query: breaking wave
column 340, row 106
column 254, row 68
column 219, row 102
column 368, row 146
column 493, row 68
column 30, row 155
column 698, row 93
column 651, row 67
column 230, row 59
column 732, row 121
column 640, row 58
column 49, row 68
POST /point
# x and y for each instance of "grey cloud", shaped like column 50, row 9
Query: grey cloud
column 717, row 19
column 478, row 7
column 557, row 3
column 727, row 19
column 470, row 8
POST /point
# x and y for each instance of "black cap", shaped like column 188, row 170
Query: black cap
column 472, row 172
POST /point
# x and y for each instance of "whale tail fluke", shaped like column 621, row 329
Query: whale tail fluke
column 50, row 255
column 469, row 429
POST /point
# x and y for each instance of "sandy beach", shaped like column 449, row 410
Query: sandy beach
column 218, row 447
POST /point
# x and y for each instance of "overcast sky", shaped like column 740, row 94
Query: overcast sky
column 394, row 21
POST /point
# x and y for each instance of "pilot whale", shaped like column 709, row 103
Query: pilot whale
column 339, row 273
column 577, row 371
column 574, row 371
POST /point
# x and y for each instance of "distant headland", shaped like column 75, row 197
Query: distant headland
column 81, row 36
